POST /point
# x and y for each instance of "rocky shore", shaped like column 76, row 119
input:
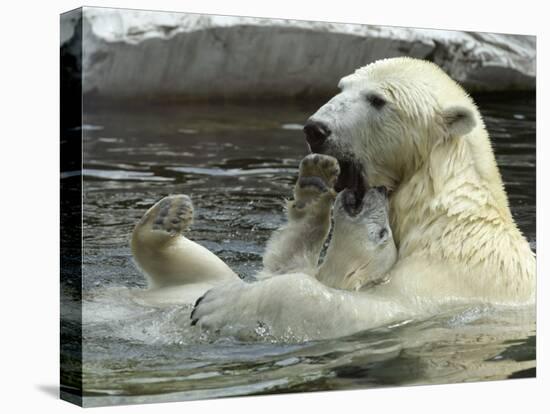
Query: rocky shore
column 130, row 53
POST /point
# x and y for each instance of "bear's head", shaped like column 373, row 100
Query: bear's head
column 387, row 118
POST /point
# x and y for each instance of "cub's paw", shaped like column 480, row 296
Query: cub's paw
column 173, row 214
column 318, row 174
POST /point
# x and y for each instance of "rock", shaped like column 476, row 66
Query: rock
column 129, row 53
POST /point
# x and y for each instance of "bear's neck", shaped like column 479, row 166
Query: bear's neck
column 457, row 186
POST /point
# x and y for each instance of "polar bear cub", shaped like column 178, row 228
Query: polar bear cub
column 360, row 252
column 362, row 249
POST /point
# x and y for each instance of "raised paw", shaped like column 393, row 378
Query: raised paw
column 318, row 174
column 172, row 214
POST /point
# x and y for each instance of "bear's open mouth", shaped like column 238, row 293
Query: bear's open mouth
column 353, row 182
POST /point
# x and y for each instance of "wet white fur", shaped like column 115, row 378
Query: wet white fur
column 179, row 270
column 457, row 241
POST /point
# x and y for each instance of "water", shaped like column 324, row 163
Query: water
column 238, row 163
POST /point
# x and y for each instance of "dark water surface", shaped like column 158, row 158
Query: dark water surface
column 238, row 163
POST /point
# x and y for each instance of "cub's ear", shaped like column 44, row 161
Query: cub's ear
column 459, row 120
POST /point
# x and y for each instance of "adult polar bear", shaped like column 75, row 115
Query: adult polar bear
column 415, row 131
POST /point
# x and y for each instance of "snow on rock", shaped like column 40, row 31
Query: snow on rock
column 131, row 53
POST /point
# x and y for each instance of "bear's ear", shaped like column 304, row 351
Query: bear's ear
column 459, row 120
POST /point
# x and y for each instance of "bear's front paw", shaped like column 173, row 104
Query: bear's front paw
column 220, row 310
column 318, row 174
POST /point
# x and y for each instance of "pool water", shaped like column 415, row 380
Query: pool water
column 238, row 162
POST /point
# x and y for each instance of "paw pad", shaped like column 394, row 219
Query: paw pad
column 173, row 214
column 318, row 174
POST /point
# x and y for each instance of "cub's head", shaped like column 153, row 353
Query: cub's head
column 363, row 219
column 362, row 249
column 387, row 118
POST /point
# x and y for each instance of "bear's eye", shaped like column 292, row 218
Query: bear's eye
column 382, row 233
column 376, row 100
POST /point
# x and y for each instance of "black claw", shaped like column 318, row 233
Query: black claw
column 193, row 320
column 198, row 301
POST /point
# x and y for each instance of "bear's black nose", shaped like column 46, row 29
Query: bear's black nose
column 316, row 134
